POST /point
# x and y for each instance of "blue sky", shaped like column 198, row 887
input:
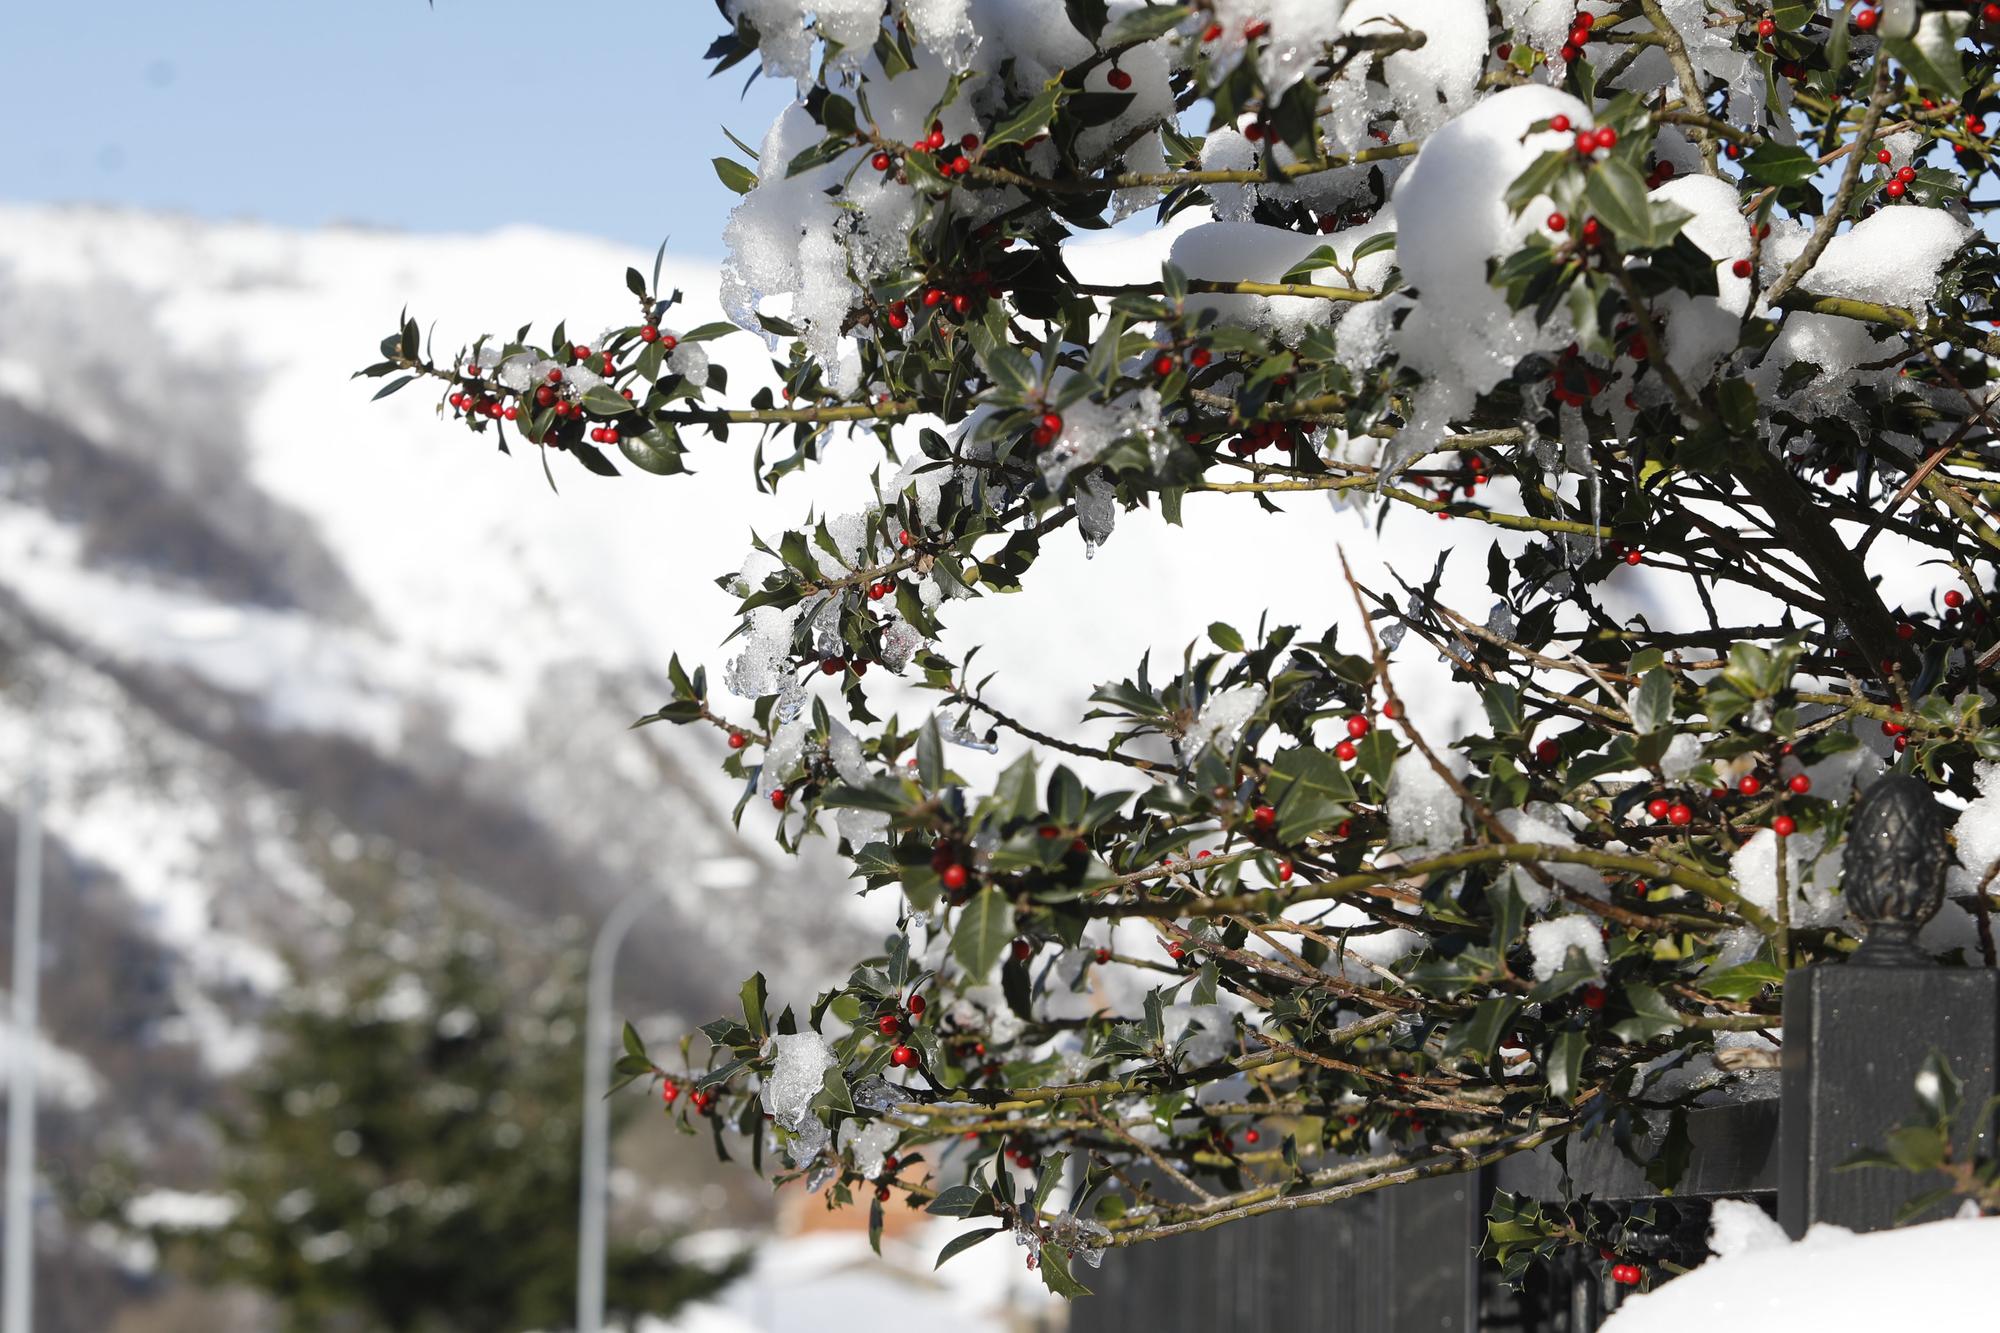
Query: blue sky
column 603, row 116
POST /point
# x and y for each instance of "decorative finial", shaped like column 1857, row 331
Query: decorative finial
column 1894, row 867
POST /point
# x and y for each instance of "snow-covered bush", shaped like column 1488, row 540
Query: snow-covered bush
column 1673, row 307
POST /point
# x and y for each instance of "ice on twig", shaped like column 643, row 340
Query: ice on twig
column 798, row 1068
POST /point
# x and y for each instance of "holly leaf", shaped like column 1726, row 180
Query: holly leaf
column 984, row 928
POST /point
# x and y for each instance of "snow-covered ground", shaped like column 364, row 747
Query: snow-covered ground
column 1936, row 1276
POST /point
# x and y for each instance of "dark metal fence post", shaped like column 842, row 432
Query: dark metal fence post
column 1857, row 1035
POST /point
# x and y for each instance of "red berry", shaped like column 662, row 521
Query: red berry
column 1176, row 952
column 1607, row 137
column 1163, row 364
column 1906, row 631
column 1571, row 51
column 1765, row 27
column 1042, row 436
column 670, row 1092
column 1211, row 32
column 1634, row 556
column 1052, row 422
column 778, row 799
column 1906, row 174
column 1895, row 189
column 1750, row 784
column 1593, row 997
column 1284, row 871
column 1556, row 222
column 1954, row 598
column 1357, row 726
column 1975, row 124
column 1345, row 751
column 1022, row 950
column 737, row 740
column 1784, row 826
column 1800, row 783
column 1560, row 124
column 1741, row 268
column 1103, row 955
column 915, row 1005
column 1119, row 79
column 960, row 303
column 953, row 877
column 899, row 316
column 933, row 295
column 1592, row 228
column 1658, row 807
column 1547, row 751
column 555, row 376
column 1625, row 1275
column 1679, row 815
column 880, row 162
column 1264, row 816
column 1991, row 13
column 1251, row 1136
column 903, row 1057
column 888, row 1025
column 1254, row 29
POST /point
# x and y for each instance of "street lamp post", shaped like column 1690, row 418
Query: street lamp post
column 598, row 1038
column 17, row 1272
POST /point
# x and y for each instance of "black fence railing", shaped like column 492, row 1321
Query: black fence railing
column 1405, row 1259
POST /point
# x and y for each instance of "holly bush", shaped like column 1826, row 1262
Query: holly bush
column 1674, row 308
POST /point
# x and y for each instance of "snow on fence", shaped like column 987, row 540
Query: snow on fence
column 1856, row 1035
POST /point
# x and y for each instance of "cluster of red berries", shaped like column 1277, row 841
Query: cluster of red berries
column 700, row 1100
column 1677, row 813
column 1357, row 727
column 1046, row 429
column 1261, row 435
column 951, row 155
column 1579, row 36
column 1626, row 1275
column 478, row 405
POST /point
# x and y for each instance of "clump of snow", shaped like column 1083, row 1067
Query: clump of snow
column 1253, row 252
column 1701, row 330
column 1544, row 824
column 1458, row 335
column 1438, row 79
column 1298, row 30
column 1737, row 1227
column 1894, row 257
column 1222, row 719
column 1425, row 815
column 181, row 1210
column 1812, row 875
column 798, row 1067
column 764, row 662
column 1978, row 833
column 1089, row 428
column 1938, row 1275
column 867, row 1143
column 1552, row 941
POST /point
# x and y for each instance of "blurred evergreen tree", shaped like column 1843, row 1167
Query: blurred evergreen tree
column 406, row 1153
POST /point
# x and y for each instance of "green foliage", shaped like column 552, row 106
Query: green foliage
column 1690, row 608
column 415, row 1117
